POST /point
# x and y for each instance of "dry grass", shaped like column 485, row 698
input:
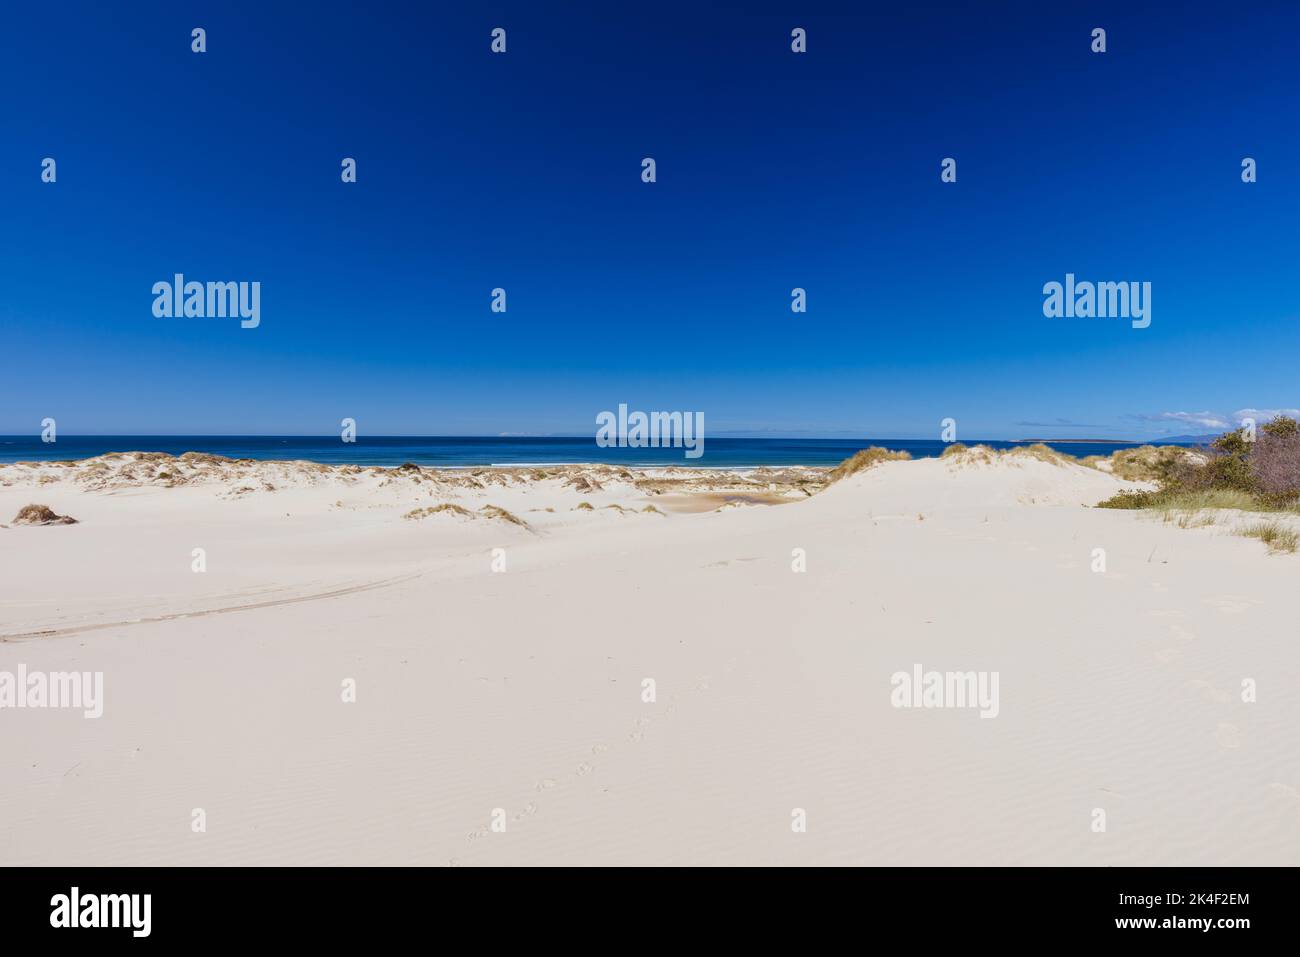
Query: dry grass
column 1188, row 519
column 1201, row 509
column 203, row 458
column 1042, row 453
column 1146, row 463
column 418, row 513
column 1212, row 498
column 487, row 511
column 1277, row 536
column 495, row 511
column 964, row 456
column 1197, row 501
column 41, row 515
column 865, row 459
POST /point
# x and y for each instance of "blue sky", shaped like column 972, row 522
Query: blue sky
column 522, row 171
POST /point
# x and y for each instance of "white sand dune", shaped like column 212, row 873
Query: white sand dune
column 522, row 690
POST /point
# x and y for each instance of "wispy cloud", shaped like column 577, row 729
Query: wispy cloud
column 1217, row 420
column 1206, row 419
column 1265, row 415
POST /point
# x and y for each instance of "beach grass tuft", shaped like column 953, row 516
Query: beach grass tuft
column 1276, row 535
column 1043, row 453
column 419, row 513
column 41, row 515
column 865, row 459
column 496, row 511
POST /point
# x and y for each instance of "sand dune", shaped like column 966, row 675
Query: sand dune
column 521, row 690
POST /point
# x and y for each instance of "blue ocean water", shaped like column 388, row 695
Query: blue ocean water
column 446, row 451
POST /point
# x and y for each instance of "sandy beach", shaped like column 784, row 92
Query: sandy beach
column 499, row 627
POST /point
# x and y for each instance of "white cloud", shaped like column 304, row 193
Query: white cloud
column 1265, row 415
column 1209, row 420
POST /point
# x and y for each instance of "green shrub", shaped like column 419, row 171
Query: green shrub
column 1230, row 471
column 1247, row 476
column 1131, row 498
column 1281, row 428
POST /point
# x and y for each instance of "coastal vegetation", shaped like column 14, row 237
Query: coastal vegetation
column 1242, row 471
column 41, row 515
column 864, row 459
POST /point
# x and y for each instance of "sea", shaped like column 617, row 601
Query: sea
column 463, row 451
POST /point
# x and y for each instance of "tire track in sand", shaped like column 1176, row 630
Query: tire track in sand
column 202, row 613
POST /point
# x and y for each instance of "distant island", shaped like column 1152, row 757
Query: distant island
column 1082, row 441
column 1162, row 440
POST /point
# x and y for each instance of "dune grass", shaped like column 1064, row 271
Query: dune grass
column 41, row 515
column 1194, row 501
column 863, row 460
column 496, row 511
column 1043, row 453
column 1202, row 508
column 1277, row 536
column 1146, row 463
column 416, row 514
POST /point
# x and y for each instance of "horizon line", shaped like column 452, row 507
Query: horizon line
column 579, row 437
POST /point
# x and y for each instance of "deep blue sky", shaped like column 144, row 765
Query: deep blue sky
column 523, row 171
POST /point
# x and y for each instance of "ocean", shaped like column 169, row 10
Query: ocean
column 460, row 451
